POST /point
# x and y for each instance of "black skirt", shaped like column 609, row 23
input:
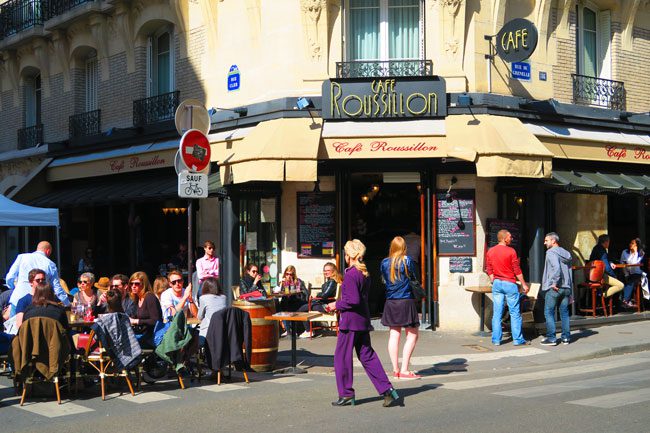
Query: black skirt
column 400, row 312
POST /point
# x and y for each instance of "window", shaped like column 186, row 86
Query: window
column 32, row 101
column 384, row 30
column 594, row 42
column 92, row 78
column 160, row 64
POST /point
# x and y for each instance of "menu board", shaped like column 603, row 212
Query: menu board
column 456, row 223
column 513, row 226
column 316, row 224
column 460, row 264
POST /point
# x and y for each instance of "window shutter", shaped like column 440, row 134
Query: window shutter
column 605, row 45
column 150, row 68
column 30, row 102
column 91, row 84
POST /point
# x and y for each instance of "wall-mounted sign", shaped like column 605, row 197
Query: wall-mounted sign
column 517, row 40
column 316, row 224
column 456, row 223
column 520, row 71
column 385, row 147
column 234, row 78
column 385, row 98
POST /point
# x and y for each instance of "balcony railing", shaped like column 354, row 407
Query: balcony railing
column 59, row 7
column 30, row 137
column 19, row 15
column 85, row 124
column 384, row 68
column 598, row 91
column 155, row 109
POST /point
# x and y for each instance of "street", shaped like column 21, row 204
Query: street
column 599, row 395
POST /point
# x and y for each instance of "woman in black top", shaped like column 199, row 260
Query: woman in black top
column 44, row 304
column 251, row 281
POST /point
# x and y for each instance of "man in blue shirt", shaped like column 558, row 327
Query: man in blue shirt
column 17, row 277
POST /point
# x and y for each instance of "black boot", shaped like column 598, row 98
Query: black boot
column 390, row 397
column 344, row 401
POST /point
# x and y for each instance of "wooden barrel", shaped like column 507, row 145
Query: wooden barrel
column 265, row 333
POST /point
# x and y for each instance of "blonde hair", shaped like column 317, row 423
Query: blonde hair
column 160, row 284
column 355, row 249
column 336, row 275
column 142, row 276
column 397, row 256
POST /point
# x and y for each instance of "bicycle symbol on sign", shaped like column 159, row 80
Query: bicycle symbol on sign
column 193, row 189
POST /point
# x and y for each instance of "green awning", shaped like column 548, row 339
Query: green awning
column 571, row 180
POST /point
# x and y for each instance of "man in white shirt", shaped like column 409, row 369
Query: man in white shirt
column 176, row 299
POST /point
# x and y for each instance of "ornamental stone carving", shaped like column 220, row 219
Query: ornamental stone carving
column 312, row 10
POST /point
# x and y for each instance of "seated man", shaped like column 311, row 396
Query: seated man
column 599, row 252
column 176, row 298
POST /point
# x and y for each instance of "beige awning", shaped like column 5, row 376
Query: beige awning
column 502, row 146
column 275, row 150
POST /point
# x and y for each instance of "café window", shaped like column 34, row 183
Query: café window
column 384, row 30
column 594, row 36
column 258, row 237
column 32, row 97
column 92, row 82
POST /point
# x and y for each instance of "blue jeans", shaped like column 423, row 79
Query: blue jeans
column 506, row 291
column 629, row 286
column 5, row 342
column 551, row 300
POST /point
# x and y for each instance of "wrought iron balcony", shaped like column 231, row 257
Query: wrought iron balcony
column 31, row 136
column 155, row 109
column 598, row 91
column 19, row 15
column 85, row 124
column 59, row 7
column 384, row 68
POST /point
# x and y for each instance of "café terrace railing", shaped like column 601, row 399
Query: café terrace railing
column 598, row 91
column 30, row 137
column 155, row 109
column 85, row 124
column 384, row 68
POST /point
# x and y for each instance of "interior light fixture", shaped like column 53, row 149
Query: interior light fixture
column 365, row 199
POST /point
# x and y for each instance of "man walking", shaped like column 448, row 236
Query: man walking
column 502, row 265
column 17, row 277
column 557, row 282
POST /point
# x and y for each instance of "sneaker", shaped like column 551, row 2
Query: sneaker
column 523, row 343
column 548, row 342
column 566, row 341
column 304, row 335
column 496, row 343
column 284, row 334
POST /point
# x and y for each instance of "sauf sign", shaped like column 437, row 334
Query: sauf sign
column 517, row 40
column 381, row 98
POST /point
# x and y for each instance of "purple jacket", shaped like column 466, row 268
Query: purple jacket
column 353, row 305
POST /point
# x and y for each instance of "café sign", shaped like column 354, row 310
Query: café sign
column 384, row 98
column 517, row 40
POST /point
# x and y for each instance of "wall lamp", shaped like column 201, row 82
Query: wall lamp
column 302, row 103
column 241, row 111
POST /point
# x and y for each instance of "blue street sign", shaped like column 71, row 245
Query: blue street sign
column 234, row 78
column 520, row 71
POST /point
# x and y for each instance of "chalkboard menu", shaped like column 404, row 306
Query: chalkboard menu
column 513, row 226
column 460, row 264
column 316, row 224
column 456, row 223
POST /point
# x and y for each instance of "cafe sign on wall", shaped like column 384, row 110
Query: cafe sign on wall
column 517, row 40
column 384, row 98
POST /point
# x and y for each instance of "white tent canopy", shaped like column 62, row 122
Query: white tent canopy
column 14, row 214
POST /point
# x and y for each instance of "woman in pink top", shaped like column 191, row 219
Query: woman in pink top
column 208, row 265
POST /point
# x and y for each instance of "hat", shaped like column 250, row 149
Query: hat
column 64, row 285
column 103, row 284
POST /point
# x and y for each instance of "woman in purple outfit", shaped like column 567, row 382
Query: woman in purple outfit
column 354, row 331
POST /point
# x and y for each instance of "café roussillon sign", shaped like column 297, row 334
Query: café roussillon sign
column 517, row 40
column 384, row 98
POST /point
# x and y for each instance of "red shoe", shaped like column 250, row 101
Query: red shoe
column 409, row 375
column 395, row 374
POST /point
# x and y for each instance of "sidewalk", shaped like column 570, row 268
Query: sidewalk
column 438, row 351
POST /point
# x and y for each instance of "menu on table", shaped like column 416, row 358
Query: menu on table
column 316, row 224
column 456, row 223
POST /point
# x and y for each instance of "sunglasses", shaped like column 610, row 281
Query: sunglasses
column 176, row 282
column 40, row 280
column 83, row 281
column 136, row 283
column 254, row 272
column 290, row 274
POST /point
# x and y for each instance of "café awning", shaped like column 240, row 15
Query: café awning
column 597, row 182
column 502, row 146
column 275, row 150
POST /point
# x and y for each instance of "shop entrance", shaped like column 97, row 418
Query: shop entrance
column 382, row 206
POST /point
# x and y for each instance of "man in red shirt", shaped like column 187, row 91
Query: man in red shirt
column 502, row 265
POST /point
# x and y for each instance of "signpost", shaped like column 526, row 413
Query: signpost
column 520, row 71
column 515, row 42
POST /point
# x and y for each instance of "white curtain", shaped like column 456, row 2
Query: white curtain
column 404, row 29
column 364, row 30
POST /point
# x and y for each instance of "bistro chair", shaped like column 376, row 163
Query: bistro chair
column 235, row 292
column 98, row 357
column 594, row 272
column 325, row 320
column 230, row 330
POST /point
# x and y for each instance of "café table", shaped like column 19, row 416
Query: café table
column 293, row 317
column 481, row 290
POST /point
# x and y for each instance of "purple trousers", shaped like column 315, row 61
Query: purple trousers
column 343, row 369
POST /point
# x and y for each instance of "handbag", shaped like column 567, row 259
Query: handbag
column 417, row 290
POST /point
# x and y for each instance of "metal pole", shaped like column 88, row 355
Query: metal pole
column 190, row 239
column 489, row 58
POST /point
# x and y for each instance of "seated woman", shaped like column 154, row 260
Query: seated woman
column 297, row 292
column 326, row 295
column 160, row 284
column 45, row 304
column 149, row 312
column 634, row 255
column 251, row 281
column 212, row 300
column 87, row 295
